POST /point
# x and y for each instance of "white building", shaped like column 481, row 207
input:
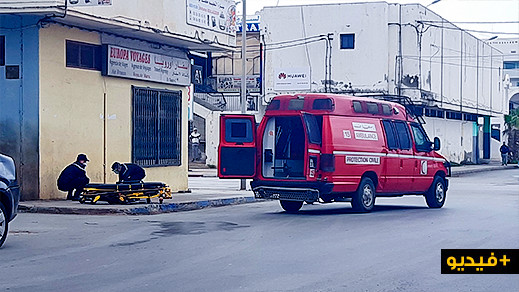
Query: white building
column 391, row 49
column 510, row 50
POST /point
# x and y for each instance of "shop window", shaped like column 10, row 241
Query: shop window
column 157, row 127
column 83, row 55
column 2, row 50
column 347, row 41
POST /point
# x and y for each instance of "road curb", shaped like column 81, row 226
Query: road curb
column 476, row 170
column 150, row 209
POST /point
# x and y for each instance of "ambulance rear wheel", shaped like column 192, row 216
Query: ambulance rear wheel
column 364, row 198
column 291, row 206
column 435, row 195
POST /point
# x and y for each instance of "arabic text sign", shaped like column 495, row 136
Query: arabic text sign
column 73, row 3
column 364, row 127
column 135, row 64
column 292, row 79
column 232, row 83
column 480, row 261
column 216, row 15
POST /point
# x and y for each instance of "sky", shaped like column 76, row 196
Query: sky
column 452, row 10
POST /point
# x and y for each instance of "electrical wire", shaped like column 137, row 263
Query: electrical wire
column 473, row 30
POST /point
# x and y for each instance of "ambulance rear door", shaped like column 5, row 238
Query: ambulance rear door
column 237, row 149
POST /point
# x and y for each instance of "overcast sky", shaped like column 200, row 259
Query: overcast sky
column 452, row 10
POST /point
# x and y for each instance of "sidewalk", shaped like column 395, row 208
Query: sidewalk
column 468, row 169
column 206, row 191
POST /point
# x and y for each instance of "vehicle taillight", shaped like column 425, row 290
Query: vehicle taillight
column 327, row 162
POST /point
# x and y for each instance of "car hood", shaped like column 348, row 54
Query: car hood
column 7, row 168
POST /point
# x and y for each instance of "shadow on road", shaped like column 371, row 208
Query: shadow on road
column 306, row 211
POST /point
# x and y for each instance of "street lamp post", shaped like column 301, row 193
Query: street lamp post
column 243, row 182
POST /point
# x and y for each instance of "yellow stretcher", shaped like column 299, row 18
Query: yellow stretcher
column 124, row 193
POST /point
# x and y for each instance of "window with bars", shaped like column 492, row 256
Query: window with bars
column 156, row 127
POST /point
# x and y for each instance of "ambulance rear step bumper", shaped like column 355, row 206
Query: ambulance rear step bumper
column 286, row 194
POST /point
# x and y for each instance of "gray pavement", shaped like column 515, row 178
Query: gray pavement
column 206, row 191
column 258, row 247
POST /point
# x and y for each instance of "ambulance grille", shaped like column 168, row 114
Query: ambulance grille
column 308, row 195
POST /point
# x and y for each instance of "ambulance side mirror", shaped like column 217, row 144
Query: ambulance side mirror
column 436, row 144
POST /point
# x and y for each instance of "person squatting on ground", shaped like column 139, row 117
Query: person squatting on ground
column 504, row 154
column 128, row 172
column 195, row 144
column 74, row 177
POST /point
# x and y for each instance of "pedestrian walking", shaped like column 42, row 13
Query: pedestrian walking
column 128, row 172
column 195, row 144
column 74, row 177
column 504, row 154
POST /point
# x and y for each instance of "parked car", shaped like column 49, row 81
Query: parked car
column 325, row 148
column 9, row 195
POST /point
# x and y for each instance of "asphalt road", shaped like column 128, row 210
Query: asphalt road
column 258, row 247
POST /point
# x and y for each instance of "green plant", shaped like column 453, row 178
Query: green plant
column 511, row 121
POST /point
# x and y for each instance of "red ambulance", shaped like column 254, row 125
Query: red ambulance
column 325, row 148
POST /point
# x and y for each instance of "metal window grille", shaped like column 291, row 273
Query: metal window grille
column 156, row 127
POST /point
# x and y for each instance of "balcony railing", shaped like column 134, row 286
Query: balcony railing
column 227, row 102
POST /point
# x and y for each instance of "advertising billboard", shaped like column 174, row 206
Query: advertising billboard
column 215, row 15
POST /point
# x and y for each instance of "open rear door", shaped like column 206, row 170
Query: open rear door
column 237, row 149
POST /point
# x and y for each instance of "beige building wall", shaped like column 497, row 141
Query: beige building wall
column 72, row 118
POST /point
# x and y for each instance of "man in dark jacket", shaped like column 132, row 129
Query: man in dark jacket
column 73, row 177
column 504, row 154
column 128, row 172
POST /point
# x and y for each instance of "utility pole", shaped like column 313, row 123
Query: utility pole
column 243, row 182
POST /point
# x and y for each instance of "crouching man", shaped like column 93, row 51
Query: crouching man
column 128, row 172
column 74, row 177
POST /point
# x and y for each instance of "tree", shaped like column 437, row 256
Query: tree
column 512, row 130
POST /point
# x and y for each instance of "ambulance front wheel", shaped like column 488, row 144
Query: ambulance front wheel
column 291, row 206
column 435, row 195
column 363, row 199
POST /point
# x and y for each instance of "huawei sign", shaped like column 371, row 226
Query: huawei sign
column 292, row 79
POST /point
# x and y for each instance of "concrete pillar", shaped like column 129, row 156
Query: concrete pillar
column 486, row 137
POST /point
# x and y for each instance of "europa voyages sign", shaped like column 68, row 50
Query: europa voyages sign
column 136, row 64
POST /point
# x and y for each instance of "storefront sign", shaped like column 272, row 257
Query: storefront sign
column 73, row 3
column 253, row 24
column 292, row 79
column 232, row 83
column 135, row 64
column 216, row 15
